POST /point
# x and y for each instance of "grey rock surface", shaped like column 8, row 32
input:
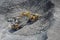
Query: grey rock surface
column 53, row 32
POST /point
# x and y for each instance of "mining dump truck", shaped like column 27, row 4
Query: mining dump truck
column 17, row 24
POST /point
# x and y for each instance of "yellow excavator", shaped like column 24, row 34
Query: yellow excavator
column 32, row 18
column 30, row 15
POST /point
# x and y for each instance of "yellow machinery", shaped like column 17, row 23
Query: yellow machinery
column 32, row 18
column 15, row 26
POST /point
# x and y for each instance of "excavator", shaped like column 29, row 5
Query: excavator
column 32, row 17
column 16, row 23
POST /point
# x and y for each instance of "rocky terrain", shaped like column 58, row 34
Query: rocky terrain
column 7, row 11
